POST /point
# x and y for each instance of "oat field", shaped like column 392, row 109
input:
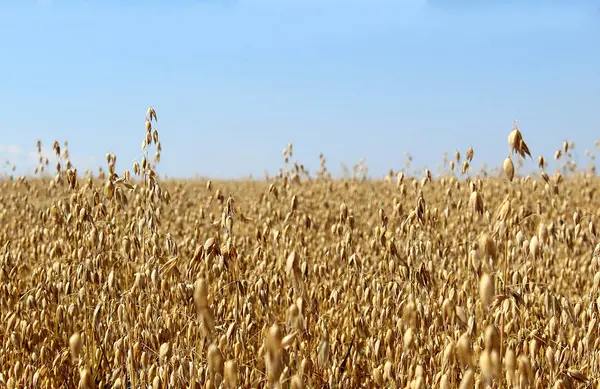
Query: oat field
column 449, row 279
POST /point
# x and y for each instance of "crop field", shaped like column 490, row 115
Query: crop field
column 449, row 279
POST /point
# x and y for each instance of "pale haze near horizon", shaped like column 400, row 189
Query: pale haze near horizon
column 234, row 81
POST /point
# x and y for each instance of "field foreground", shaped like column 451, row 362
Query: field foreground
column 297, row 283
column 351, row 284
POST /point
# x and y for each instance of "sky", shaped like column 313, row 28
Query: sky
column 233, row 81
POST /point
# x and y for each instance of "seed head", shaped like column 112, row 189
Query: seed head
column 509, row 168
column 75, row 346
column 486, row 290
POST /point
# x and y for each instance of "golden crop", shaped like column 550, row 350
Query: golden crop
column 450, row 281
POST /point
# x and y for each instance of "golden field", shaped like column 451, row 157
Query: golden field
column 453, row 281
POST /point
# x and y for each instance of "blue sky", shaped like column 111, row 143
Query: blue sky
column 234, row 81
